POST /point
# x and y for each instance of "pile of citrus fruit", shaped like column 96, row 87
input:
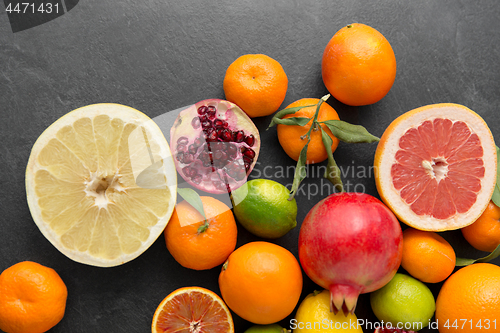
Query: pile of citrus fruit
column 102, row 182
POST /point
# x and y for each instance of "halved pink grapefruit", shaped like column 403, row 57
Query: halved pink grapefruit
column 435, row 167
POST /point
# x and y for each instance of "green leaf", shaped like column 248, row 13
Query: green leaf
column 284, row 112
column 300, row 171
column 193, row 198
column 301, row 121
column 348, row 132
column 496, row 193
column 332, row 172
column 465, row 262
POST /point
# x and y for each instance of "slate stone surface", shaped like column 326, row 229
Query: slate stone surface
column 157, row 56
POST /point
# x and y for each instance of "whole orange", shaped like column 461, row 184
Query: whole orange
column 427, row 256
column 358, row 65
column 32, row 298
column 469, row 301
column 256, row 83
column 261, row 282
column 484, row 234
column 198, row 244
column 291, row 136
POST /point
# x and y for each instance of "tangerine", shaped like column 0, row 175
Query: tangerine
column 427, row 256
column 32, row 298
column 256, row 83
column 469, row 300
column 484, row 234
column 198, row 244
column 291, row 137
column 358, row 65
column 261, row 282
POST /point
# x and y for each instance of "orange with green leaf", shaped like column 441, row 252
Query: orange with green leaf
column 309, row 133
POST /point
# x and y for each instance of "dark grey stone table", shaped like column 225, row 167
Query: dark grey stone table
column 157, row 56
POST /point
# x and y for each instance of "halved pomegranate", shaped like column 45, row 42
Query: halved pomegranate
column 215, row 145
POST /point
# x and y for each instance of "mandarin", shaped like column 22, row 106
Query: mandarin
column 261, row 282
column 32, row 298
column 291, row 136
column 427, row 256
column 198, row 244
column 484, row 233
column 469, row 300
column 256, row 83
column 358, row 65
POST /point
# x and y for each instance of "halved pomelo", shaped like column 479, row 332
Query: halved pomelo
column 435, row 167
column 101, row 184
column 192, row 310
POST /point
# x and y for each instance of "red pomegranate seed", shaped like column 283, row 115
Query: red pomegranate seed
column 212, row 136
column 196, row 123
column 206, row 124
column 226, row 135
column 202, row 110
column 250, row 140
column 239, row 136
column 196, row 178
column 217, row 123
column 249, row 153
column 182, row 140
column 192, row 149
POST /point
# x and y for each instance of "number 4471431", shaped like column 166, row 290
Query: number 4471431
column 463, row 324
column 31, row 8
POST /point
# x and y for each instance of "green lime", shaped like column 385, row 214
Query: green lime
column 404, row 302
column 263, row 208
column 274, row 328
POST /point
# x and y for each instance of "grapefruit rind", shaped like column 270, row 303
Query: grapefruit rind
column 165, row 166
column 389, row 145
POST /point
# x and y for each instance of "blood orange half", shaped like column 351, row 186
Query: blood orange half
column 435, row 167
column 192, row 310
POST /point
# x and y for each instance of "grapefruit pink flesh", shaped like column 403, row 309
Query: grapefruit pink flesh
column 439, row 168
column 435, row 167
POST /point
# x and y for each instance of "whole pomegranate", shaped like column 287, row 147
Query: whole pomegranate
column 215, row 145
column 350, row 243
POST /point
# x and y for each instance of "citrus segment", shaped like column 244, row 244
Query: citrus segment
column 101, row 184
column 436, row 167
column 192, row 310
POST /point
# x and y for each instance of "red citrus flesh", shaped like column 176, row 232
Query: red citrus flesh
column 192, row 310
column 438, row 168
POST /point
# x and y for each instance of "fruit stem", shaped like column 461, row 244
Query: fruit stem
column 316, row 114
column 203, row 227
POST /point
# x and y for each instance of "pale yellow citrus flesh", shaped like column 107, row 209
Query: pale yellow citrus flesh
column 435, row 167
column 101, row 184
